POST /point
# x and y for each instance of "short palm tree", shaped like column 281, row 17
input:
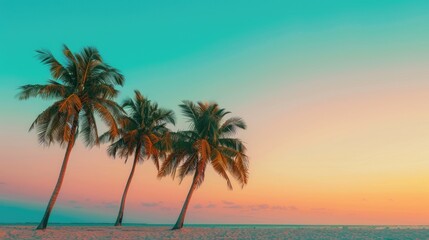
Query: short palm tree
column 208, row 141
column 82, row 87
column 144, row 133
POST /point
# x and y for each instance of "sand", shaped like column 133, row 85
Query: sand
column 81, row 232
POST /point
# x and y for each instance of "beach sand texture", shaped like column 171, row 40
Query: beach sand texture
column 56, row 232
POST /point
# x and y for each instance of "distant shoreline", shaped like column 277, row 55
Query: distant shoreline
column 199, row 231
column 219, row 225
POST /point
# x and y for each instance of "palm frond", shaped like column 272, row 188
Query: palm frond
column 89, row 127
column 51, row 90
column 190, row 111
column 230, row 125
column 107, row 118
column 107, row 74
column 233, row 143
column 71, row 105
column 188, row 167
column 241, row 168
column 219, row 164
column 55, row 67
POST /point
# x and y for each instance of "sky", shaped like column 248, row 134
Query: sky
column 334, row 93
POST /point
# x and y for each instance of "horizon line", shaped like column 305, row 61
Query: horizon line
column 221, row 224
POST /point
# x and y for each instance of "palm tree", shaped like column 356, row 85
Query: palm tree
column 209, row 140
column 81, row 87
column 143, row 133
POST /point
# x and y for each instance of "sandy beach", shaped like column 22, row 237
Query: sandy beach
column 83, row 232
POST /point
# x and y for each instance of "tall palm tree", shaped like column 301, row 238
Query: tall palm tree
column 144, row 133
column 82, row 87
column 208, row 141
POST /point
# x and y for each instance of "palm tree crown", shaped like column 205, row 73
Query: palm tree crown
column 83, row 86
column 144, row 129
column 209, row 140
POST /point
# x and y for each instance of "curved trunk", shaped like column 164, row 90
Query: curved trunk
column 44, row 223
column 124, row 195
column 181, row 219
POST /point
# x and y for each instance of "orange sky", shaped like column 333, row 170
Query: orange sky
column 349, row 156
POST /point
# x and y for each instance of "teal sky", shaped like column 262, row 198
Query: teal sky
column 239, row 53
column 201, row 46
column 208, row 37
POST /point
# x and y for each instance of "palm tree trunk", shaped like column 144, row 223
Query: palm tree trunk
column 43, row 224
column 181, row 219
column 124, row 195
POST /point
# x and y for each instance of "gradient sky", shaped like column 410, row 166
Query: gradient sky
column 334, row 92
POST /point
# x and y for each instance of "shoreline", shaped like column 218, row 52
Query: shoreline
column 193, row 232
column 220, row 225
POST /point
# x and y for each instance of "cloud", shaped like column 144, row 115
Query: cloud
column 158, row 206
column 265, row 206
column 151, row 204
column 74, row 204
column 72, row 201
column 167, row 208
column 319, row 209
column 235, row 206
column 211, row 205
column 232, row 205
column 284, row 208
column 259, row 207
column 199, row 205
column 228, row 203
column 110, row 204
